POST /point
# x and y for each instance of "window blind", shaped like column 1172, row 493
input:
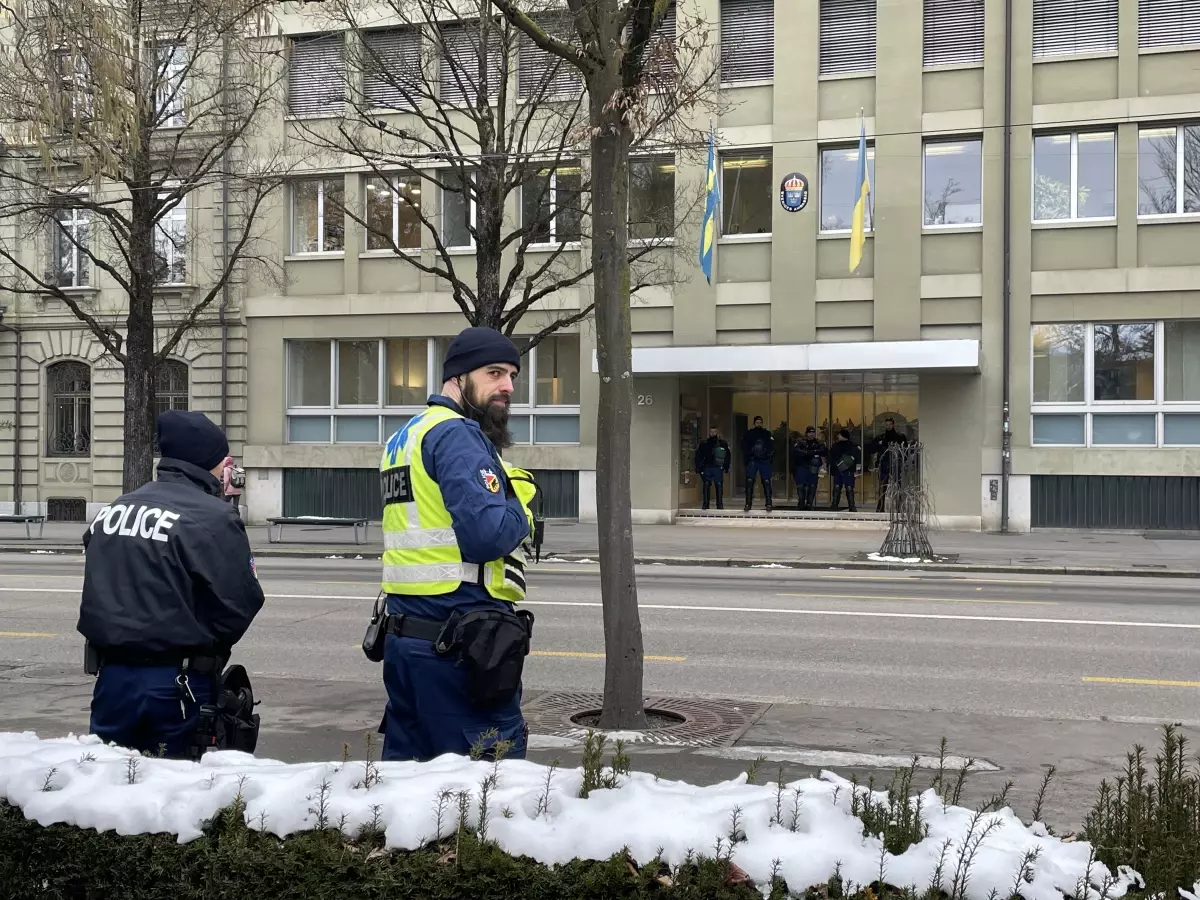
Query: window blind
column 541, row 74
column 460, row 76
column 953, row 32
column 391, row 62
column 747, row 40
column 316, row 75
column 1168, row 23
column 847, row 36
column 1069, row 27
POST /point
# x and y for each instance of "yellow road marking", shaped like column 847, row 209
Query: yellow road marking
column 919, row 599
column 571, row 654
column 26, row 634
column 1151, row 682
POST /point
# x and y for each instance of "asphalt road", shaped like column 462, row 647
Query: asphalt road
column 1016, row 670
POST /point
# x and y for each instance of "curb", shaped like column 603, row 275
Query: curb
column 711, row 562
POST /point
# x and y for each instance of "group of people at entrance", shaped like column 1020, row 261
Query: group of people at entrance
column 807, row 455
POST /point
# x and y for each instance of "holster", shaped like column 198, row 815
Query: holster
column 229, row 722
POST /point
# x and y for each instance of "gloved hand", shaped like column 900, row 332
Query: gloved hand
column 522, row 484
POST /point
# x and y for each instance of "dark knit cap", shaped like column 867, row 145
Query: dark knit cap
column 474, row 348
column 192, row 437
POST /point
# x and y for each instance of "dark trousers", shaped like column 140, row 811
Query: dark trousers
column 713, row 476
column 138, row 707
column 806, row 487
column 759, row 468
column 428, row 710
column 843, row 480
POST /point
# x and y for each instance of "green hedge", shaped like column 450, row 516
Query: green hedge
column 233, row 862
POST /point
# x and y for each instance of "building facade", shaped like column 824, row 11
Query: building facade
column 1077, row 301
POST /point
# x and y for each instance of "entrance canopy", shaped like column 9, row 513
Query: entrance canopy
column 874, row 356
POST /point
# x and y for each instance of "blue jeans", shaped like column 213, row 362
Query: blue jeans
column 429, row 712
column 138, row 707
column 760, row 468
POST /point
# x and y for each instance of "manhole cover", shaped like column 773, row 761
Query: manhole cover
column 676, row 721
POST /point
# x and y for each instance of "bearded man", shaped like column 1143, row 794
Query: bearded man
column 455, row 520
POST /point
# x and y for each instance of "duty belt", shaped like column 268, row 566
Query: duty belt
column 199, row 663
column 401, row 625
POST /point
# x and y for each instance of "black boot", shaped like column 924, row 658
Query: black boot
column 837, row 497
column 850, row 498
column 707, row 492
column 720, row 495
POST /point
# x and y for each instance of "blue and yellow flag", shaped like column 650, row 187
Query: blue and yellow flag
column 858, row 237
column 708, row 230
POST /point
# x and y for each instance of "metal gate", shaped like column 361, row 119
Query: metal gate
column 1119, row 502
column 347, row 493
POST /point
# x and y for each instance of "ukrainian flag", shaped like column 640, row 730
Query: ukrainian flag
column 708, row 231
column 858, row 237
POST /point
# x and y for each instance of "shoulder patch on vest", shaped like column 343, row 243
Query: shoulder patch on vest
column 490, row 481
column 397, row 485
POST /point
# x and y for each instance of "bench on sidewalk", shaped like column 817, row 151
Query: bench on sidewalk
column 28, row 521
column 275, row 526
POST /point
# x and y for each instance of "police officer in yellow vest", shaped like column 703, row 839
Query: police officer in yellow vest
column 456, row 522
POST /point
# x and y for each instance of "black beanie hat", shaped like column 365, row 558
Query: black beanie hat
column 192, row 437
column 473, row 348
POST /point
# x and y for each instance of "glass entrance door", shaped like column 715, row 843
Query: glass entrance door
column 788, row 403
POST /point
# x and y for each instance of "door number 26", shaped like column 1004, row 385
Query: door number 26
column 645, row 399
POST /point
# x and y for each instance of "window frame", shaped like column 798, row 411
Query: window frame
column 725, row 62
column 1107, row 51
column 950, row 226
column 172, row 114
column 334, row 107
column 766, row 152
column 555, row 211
column 472, row 200
column 970, row 53
column 165, row 246
column 391, row 180
column 661, row 158
column 76, row 397
column 1090, row 407
column 827, row 67
column 79, row 216
column 1180, row 171
column 383, row 411
column 869, row 218
column 320, row 181
column 1074, row 186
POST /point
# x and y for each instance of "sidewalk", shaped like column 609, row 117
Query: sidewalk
column 1087, row 553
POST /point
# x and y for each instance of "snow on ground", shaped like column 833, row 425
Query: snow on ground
column 84, row 782
column 878, row 557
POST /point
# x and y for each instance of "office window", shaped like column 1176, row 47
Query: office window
column 75, row 87
column 551, row 205
column 318, row 215
column 407, row 371
column 953, row 33
column 558, row 372
column 1182, row 360
column 953, row 182
column 316, row 75
column 170, row 245
column 391, row 68
column 1063, row 429
column 660, row 63
column 1058, row 363
column 1124, row 362
column 847, row 39
column 747, row 192
column 544, row 75
column 1074, row 176
column 70, row 232
column 747, row 40
column 458, row 209
column 392, row 212
column 1072, row 27
column 1169, row 170
column 651, row 198
column 460, row 77
column 840, row 189
column 358, row 373
column 309, row 373
column 1168, row 23
column 69, row 388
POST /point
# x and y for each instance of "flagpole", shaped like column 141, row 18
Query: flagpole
column 867, row 169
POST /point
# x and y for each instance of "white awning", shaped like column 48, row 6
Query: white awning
column 861, row 356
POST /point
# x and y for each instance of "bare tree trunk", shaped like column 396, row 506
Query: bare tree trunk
column 138, row 467
column 623, row 701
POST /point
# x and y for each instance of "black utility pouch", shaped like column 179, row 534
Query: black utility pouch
column 492, row 646
column 376, row 634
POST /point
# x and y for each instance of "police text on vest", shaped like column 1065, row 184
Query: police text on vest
column 147, row 522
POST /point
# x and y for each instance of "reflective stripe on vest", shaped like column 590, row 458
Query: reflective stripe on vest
column 421, row 554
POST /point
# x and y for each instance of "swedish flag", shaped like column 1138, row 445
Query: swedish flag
column 858, row 237
column 708, row 231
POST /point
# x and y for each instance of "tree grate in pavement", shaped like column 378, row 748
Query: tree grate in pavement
column 705, row 723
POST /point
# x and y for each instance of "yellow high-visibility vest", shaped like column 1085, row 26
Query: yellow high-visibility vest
column 420, row 550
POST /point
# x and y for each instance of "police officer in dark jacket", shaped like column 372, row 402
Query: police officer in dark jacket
column 169, row 586
column 758, row 452
column 844, row 458
column 712, row 463
column 807, row 454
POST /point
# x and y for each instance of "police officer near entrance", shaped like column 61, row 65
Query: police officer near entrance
column 455, row 519
column 169, row 586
